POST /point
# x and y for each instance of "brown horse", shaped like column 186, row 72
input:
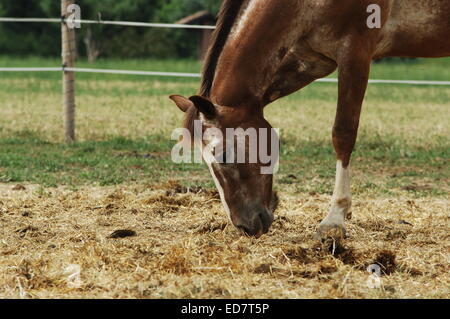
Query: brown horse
column 266, row 49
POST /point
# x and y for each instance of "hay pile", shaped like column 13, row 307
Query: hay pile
column 168, row 241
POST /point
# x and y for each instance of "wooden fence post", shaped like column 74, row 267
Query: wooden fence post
column 68, row 60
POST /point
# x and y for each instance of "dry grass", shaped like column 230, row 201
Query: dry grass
column 185, row 248
column 97, row 112
column 136, row 109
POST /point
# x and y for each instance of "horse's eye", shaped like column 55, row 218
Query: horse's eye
column 222, row 159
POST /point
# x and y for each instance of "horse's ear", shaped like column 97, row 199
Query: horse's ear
column 204, row 105
column 183, row 103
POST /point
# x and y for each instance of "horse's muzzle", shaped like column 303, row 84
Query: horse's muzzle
column 257, row 224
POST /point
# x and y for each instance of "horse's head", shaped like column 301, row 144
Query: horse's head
column 241, row 150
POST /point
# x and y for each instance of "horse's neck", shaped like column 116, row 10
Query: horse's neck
column 257, row 44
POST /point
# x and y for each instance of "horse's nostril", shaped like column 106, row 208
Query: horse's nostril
column 266, row 219
column 257, row 225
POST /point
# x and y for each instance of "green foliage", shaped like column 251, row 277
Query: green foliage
column 42, row 39
column 173, row 10
column 22, row 38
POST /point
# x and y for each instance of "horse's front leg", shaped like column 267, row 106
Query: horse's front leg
column 353, row 79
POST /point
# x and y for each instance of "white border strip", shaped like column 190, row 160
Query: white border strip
column 129, row 72
column 30, row 69
column 121, row 23
column 413, row 82
column 194, row 75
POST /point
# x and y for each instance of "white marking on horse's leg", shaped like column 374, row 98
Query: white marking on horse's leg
column 342, row 198
column 341, row 201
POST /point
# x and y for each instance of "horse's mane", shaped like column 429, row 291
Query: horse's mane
column 228, row 14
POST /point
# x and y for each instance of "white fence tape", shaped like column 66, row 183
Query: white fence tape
column 121, row 23
column 410, row 82
column 196, row 75
column 30, row 69
column 130, row 72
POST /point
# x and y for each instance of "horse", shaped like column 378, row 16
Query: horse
column 263, row 50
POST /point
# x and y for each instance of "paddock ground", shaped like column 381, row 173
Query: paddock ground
column 60, row 204
column 185, row 248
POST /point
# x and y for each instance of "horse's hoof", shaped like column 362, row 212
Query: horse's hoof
column 334, row 231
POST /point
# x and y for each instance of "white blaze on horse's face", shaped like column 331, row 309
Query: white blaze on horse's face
column 246, row 193
column 208, row 156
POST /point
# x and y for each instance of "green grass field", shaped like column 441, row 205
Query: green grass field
column 118, row 175
column 124, row 125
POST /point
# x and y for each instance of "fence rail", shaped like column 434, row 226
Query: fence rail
column 106, row 22
column 198, row 75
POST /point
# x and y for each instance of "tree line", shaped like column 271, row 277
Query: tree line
column 43, row 39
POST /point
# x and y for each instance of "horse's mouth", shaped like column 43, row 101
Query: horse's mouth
column 259, row 226
column 265, row 219
column 274, row 202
